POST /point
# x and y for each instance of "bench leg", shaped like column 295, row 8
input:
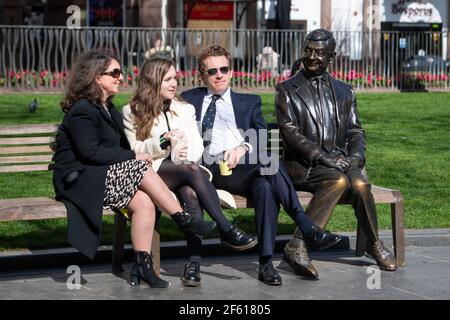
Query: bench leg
column 361, row 241
column 398, row 230
column 120, row 227
column 156, row 245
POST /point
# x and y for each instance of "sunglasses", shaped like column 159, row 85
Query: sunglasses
column 115, row 73
column 213, row 71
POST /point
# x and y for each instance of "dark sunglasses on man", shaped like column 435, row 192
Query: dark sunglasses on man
column 213, row 71
column 115, row 73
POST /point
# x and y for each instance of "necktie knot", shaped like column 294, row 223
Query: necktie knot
column 316, row 82
column 215, row 97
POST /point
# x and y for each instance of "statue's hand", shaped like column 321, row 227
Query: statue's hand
column 337, row 163
column 354, row 161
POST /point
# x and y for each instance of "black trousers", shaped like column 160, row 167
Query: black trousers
column 267, row 193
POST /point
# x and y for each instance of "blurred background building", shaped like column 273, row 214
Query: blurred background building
column 401, row 15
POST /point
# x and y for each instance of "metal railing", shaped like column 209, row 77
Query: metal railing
column 38, row 58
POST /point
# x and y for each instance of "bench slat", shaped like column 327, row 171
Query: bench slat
column 242, row 202
column 380, row 195
column 28, row 128
column 26, row 140
column 33, row 209
column 383, row 195
column 24, row 168
column 24, row 150
column 25, row 159
column 49, row 208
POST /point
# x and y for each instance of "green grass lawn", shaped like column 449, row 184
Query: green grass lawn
column 408, row 149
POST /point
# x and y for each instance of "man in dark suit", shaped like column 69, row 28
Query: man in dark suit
column 325, row 145
column 222, row 114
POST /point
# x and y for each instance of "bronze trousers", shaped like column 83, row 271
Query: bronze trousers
column 330, row 185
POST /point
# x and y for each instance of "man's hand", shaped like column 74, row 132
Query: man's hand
column 233, row 156
column 337, row 163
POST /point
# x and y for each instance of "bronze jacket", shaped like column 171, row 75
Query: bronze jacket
column 297, row 120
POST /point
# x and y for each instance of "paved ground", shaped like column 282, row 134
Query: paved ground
column 228, row 277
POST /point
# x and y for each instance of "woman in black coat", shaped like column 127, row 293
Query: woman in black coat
column 95, row 168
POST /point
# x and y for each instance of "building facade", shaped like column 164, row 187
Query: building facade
column 337, row 15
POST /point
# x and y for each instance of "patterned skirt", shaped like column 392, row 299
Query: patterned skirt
column 122, row 182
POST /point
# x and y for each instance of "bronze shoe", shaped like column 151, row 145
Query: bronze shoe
column 384, row 258
column 296, row 255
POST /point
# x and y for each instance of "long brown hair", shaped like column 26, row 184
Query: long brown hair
column 146, row 102
column 81, row 82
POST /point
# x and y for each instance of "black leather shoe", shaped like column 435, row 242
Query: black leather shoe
column 296, row 255
column 237, row 239
column 191, row 275
column 384, row 258
column 269, row 275
column 320, row 240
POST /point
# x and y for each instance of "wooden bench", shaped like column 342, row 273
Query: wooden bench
column 27, row 154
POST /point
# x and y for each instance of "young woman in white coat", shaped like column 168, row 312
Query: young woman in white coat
column 155, row 122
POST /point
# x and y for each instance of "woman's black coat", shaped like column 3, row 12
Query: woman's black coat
column 88, row 142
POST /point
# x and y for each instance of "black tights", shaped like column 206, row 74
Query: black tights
column 179, row 176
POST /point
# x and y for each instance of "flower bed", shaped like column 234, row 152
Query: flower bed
column 191, row 78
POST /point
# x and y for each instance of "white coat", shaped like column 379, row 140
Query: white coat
column 184, row 120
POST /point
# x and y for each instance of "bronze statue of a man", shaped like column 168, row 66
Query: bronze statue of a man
column 325, row 147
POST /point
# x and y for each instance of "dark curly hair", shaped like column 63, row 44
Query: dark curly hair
column 81, row 82
column 212, row 51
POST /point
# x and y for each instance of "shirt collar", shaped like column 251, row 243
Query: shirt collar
column 225, row 95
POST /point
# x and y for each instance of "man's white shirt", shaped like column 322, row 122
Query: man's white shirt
column 225, row 134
